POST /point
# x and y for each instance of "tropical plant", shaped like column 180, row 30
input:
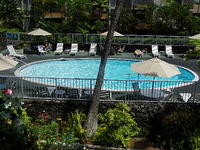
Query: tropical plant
column 76, row 123
column 176, row 129
column 11, row 15
column 47, row 136
column 13, row 121
column 77, row 20
column 173, row 19
column 127, row 22
column 194, row 140
column 193, row 53
column 116, row 127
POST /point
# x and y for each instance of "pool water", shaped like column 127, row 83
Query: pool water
column 88, row 68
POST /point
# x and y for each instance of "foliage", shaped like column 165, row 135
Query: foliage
column 193, row 53
column 11, row 15
column 3, row 28
column 76, row 123
column 116, row 127
column 98, row 26
column 176, row 129
column 78, row 19
column 172, row 19
column 47, row 136
column 194, row 140
column 13, row 121
column 127, row 22
column 52, row 27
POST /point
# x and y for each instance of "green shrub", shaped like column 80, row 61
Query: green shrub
column 76, row 123
column 47, row 136
column 194, row 140
column 116, row 127
column 13, row 120
column 176, row 130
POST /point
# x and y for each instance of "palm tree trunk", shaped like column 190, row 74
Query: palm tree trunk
column 91, row 124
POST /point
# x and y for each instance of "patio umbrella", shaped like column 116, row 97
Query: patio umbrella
column 155, row 67
column 197, row 36
column 115, row 33
column 7, row 62
column 39, row 32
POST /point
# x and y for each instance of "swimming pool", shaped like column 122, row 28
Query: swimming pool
column 88, row 69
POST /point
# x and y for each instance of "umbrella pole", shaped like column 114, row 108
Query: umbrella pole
column 152, row 86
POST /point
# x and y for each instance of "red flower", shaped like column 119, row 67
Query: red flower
column 7, row 91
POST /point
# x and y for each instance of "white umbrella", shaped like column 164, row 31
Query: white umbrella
column 155, row 67
column 7, row 62
column 115, row 33
column 197, row 36
column 39, row 32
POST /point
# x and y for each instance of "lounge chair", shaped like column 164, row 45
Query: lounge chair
column 105, row 95
column 185, row 96
column 121, row 49
column 155, row 52
column 168, row 50
column 59, row 49
column 74, row 49
column 12, row 52
column 41, row 50
column 93, row 49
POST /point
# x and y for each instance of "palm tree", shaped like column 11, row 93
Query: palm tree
column 91, row 123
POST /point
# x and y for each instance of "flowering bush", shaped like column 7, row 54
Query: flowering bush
column 7, row 91
column 13, row 121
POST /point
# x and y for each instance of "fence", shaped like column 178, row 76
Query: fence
column 96, row 38
column 112, row 90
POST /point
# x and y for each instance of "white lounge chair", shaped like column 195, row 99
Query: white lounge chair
column 155, row 52
column 12, row 52
column 41, row 49
column 185, row 96
column 168, row 50
column 59, row 48
column 74, row 49
column 93, row 49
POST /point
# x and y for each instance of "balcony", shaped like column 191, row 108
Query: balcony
column 54, row 15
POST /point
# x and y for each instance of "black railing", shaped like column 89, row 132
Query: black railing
column 112, row 90
column 97, row 38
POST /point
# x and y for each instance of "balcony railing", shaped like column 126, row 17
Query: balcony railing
column 96, row 38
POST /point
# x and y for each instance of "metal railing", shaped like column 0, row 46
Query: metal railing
column 96, row 38
column 112, row 90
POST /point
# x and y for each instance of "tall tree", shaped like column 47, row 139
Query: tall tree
column 11, row 15
column 78, row 14
column 91, row 124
